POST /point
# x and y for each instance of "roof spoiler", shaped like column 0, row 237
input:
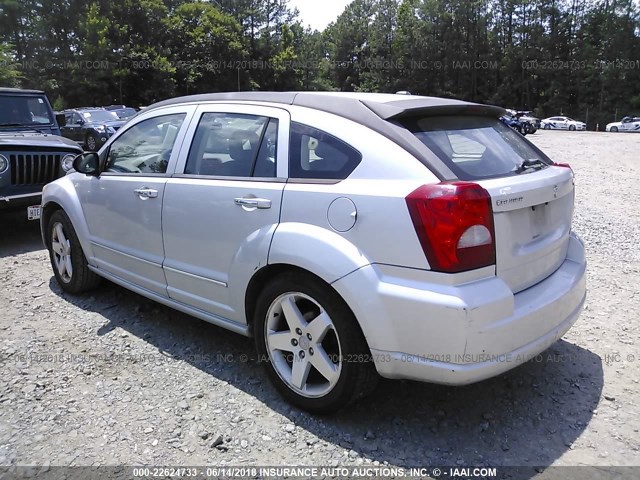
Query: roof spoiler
column 417, row 107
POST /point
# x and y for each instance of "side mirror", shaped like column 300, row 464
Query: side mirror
column 61, row 120
column 87, row 163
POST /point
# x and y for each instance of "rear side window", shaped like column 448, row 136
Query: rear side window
column 475, row 147
column 315, row 154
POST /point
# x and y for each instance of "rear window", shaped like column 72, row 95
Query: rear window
column 475, row 147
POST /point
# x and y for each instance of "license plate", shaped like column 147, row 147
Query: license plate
column 33, row 213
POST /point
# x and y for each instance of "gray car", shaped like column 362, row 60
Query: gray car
column 352, row 235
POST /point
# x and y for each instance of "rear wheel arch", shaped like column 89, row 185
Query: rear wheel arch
column 262, row 277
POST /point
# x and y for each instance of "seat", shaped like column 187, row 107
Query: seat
column 242, row 148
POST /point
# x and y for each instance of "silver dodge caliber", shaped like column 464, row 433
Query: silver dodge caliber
column 352, row 235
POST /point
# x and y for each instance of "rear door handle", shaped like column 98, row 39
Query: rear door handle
column 146, row 192
column 249, row 202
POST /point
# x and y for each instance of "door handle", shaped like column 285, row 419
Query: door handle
column 145, row 193
column 249, row 202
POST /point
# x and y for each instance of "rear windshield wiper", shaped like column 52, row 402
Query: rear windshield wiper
column 530, row 163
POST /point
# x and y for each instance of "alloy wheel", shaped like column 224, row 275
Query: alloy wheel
column 61, row 247
column 303, row 345
column 91, row 143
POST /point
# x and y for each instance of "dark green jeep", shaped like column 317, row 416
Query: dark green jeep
column 32, row 152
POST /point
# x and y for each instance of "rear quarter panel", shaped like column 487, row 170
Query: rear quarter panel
column 382, row 231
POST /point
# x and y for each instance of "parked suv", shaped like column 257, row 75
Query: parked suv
column 90, row 127
column 31, row 151
column 352, row 235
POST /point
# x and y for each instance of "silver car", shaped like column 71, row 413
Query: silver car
column 352, row 235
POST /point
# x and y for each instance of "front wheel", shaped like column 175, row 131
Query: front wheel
column 91, row 143
column 547, row 126
column 614, row 129
column 311, row 344
column 572, row 127
column 67, row 258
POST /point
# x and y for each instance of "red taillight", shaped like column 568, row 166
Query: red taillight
column 454, row 222
column 564, row 165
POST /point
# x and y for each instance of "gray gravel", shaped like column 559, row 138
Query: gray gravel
column 112, row 378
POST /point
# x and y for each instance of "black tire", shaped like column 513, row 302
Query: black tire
column 81, row 278
column 91, row 143
column 613, row 129
column 357, row 375
column 547, row 126
column 572, row 127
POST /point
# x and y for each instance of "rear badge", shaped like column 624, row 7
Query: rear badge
column 509, row 201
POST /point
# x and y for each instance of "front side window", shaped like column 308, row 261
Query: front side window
column 474, row 147
column 315, row 154
column 233, row 145
column 146, row 147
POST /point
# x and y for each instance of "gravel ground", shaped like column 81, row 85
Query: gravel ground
column 112, row 378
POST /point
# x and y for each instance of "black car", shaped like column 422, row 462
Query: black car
column 90, row 127
column 32, row 153
column 123, row 112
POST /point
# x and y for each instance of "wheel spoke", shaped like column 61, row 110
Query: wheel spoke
column 62, row 265
column 321, row 361
column 280, row 341
column 300, row 372
column 57, row 248
column 60, row 234
column 67, row 265
column 319, row 326
column 292, row 314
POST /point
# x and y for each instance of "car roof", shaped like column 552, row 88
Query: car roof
column 357, row 106
column 20, row 90
column 379, row 112
column 84, row 109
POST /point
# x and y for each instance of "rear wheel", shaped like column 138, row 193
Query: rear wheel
column 67, row 258
column 312, row 345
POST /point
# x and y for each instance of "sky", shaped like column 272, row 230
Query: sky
column 319, row 13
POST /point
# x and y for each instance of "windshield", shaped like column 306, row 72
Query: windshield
column 475, row 147
column 99, row 116
column 125, row 112
column 17, row 110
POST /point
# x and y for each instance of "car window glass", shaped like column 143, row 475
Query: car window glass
column 227, row 145
column 266, row 161
column 319, row 155
column 474, row 147
column 145, row 147
column 76, row 119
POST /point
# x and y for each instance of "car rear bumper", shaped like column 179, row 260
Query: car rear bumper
column 460, row 334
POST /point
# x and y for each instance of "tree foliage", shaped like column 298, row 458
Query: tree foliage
column 576, row 57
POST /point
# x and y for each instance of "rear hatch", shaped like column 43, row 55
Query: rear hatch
column 531, row 198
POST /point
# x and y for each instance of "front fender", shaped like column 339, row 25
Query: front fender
column 318, row 250
column 63, row 193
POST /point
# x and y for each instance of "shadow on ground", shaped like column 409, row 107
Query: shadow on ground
column 18, row 235
column 527, row 417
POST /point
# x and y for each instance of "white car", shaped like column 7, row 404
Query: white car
column 562, row 123
column 352, row 235
column 627, row 124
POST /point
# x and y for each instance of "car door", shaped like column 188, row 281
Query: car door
column 222, row 205
column 70, row 130
column 123, row 206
